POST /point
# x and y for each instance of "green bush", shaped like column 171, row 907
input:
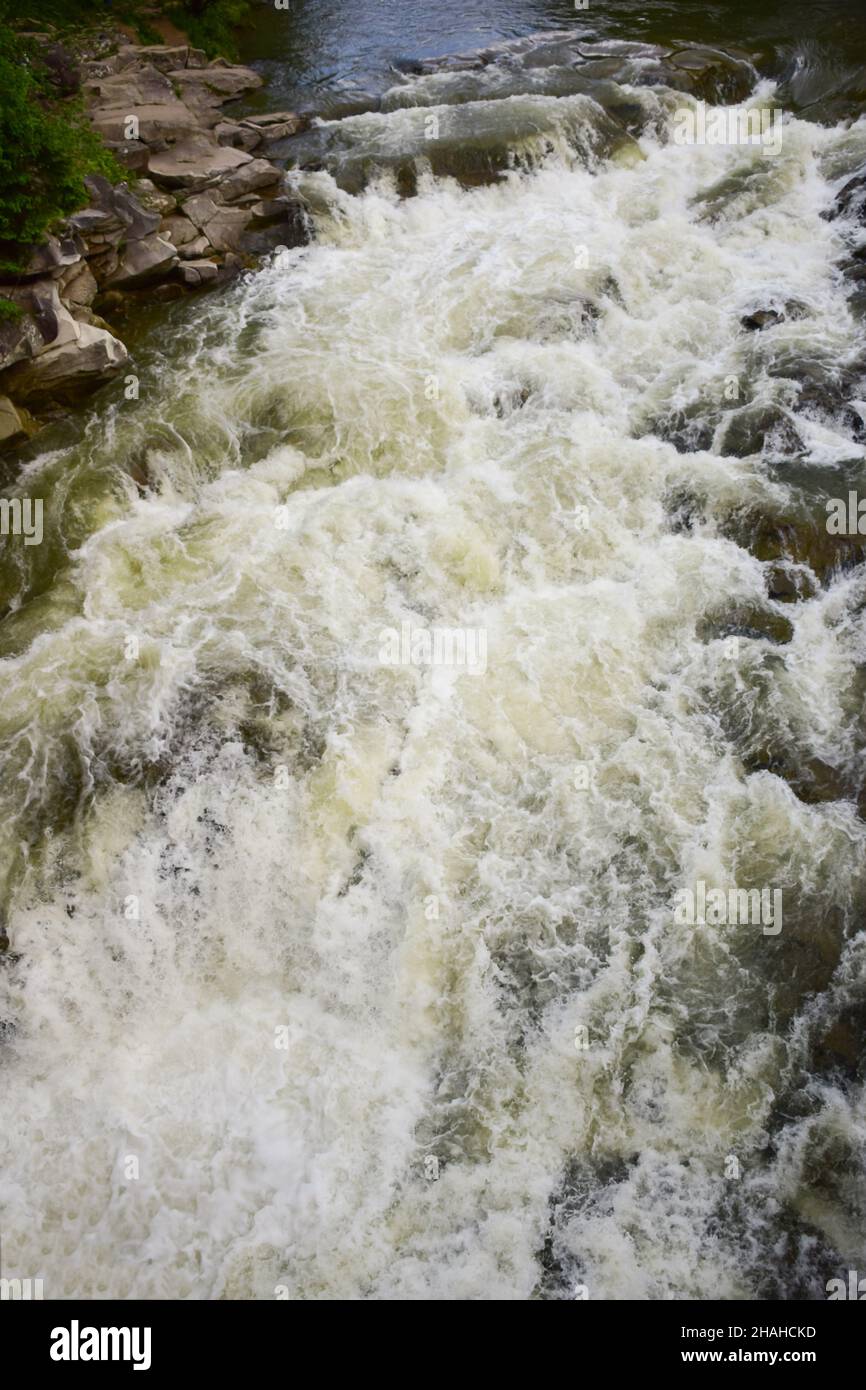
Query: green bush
column 10, row 312
column 211, row 24
column 46, row 148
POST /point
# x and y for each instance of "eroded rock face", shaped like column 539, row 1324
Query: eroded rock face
column 81, row 362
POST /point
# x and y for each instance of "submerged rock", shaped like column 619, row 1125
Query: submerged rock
column 474, row 143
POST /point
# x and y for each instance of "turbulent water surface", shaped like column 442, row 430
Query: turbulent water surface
column 352, row 979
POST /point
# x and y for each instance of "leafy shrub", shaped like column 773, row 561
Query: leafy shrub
column 10, row 312
column 211, row 24
column 45, row 152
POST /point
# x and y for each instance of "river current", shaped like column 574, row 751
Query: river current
column 334, row 972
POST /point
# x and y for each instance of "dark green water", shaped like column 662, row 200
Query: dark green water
column 322, row 53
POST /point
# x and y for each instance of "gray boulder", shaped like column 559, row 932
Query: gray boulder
column 195, row 273
column 194, row 164
column 63, row 371
column 141, row 262
column 257, row 174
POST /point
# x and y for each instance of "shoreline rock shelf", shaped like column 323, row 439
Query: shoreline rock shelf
column 205, row 201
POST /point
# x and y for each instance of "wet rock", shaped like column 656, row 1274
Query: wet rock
column 762, row 318
column 166, row 293
column 16, row 423
column 800, row 539
column 291, row 230
column 850, row 201
column 746, row 621
column 476, row 143
column 269, row 211
column 789, row 583
column 759, row 428
column 690, row 430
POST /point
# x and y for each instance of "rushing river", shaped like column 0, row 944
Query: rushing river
column 345, row 975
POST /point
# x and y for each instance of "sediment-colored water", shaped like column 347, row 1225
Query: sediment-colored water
column 359, row 980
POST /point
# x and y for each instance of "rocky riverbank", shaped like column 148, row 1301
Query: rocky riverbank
column 203, row 201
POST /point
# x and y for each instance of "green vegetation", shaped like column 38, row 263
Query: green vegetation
column 46, row 148
column 211, row 24
column 10, row 312
column 46, row 143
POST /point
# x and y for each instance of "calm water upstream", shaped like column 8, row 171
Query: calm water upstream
column 337, row 969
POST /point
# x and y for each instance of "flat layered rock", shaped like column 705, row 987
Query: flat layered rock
column 193, row 164
column 212, row 86
column 135, row 87
column 277, row 125
column 170, row 120
column 258, row 174
column 194, row 273
column 163, row 56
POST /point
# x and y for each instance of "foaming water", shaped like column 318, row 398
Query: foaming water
column 294, row 931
